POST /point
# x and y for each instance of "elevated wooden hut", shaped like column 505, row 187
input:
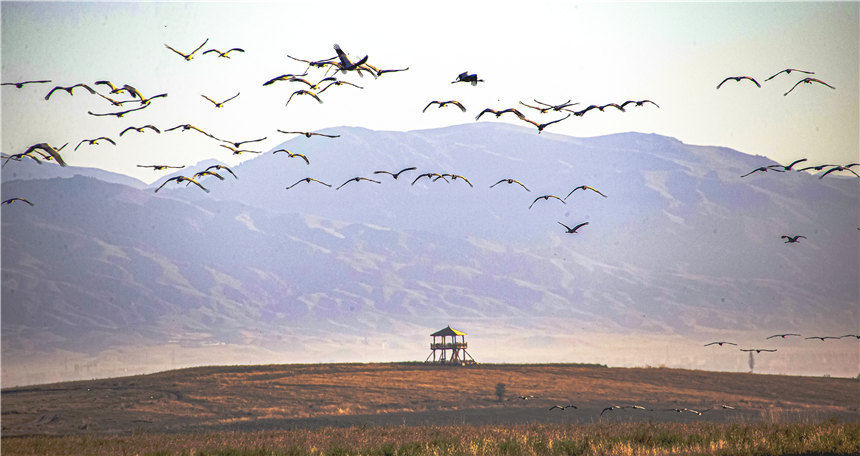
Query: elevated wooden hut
column 449, row 351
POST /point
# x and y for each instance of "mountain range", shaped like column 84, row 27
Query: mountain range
column 103, row 276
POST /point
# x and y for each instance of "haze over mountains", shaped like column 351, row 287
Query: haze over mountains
column 103, row 276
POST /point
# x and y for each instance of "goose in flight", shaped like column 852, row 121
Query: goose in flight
column 499, row 113
column 308, row 134
column 466, row 77
column 345, row 64
column 856, row 336
column 303, row 92
column 782, row 336
column 239, row 143
column 548, row 107
column 611, row 105
column 584, row 187
column 563, row 407
column 822, row 338
column 358, row 179
column 223, row 54
column 430, row 176
column 838, row 168
column 219, row 104
column 70, row 89
column 738, row 79
column 398, row 173
column 219, row 167
column 582, row 112
column 117, row 114
column 758, row 350
column 455, row 177
column 95, row 142
column 788, row 71
column 572, row 230
column 292, row 155
column 308, row 180
column 180, row 179
column 237, row 151
column 816, row 167
column 140, row 129
column 789, row 166
column 444, row 103
column 159, row 167
column 206, row 173
column 765, row 169
column 12, row 200
column 540, row 126
column 510, row 181
column 20, row 85
column 49, row 152
column 380, row 72
column 186, row 127
column 546, row 198
column 136, row 93
column 720, row 343
column 638, row 103
column 190, row 55
column 792, row 239
column 284, row 77
column 808, row 81
column 339, row 83
column 619, row 407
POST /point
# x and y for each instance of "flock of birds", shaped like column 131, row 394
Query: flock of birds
column 720, row 343
column 610, row 408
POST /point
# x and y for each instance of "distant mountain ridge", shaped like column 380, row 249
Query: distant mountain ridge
column 682, row 248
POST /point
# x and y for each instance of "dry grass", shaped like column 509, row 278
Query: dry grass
column 829, row 438
column 211, row 398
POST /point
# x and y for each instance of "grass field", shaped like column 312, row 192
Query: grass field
column 829, row 438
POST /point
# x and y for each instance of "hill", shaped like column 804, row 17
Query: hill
column 103, row 279
column 308, row 396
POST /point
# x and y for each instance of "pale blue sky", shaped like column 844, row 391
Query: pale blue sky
column 674, row 54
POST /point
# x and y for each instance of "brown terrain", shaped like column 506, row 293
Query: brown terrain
column 251, row 398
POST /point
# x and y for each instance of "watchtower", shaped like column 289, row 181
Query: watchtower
column 449, row 351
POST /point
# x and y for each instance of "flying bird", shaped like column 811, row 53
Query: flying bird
column 765, row 169
column 159, row 167
column 223, row 54
column 499, row 113
column 808, row 81
column 638, row 103
column 739, row 78
column 546, row 198
column 816, row 167
column 284, row 77
column 292, row 155
column 239, row 143
column 443, row 103
column 430, row 176
column 303, row 92
column 856, row 336
column 206, row 173
column 791, row 239
column 454, row 177
column 190, row 55
column 822, row 338
column 758, row 350
column 186, row 127
column 573, row 230
column 563, row 407
column 782, row 336
column 113, row 88
column 338, row 83
column 466, row 77
column 12, row 200
column 720, row 343
column 540, row 126
column 219, row 167
column 791, row 165
column 140, row 129
column 70, row 89
column 345, row 64
column 510, row 181
column 611, row 105
column 398, row 173
column 237, row 151
column 115, row 102
column 584, row 187
column 136, row 93
column 219, row 104
column 357, row 179
column 548, row 107
column 48, row 152
column 180, row 179
column 95, row 142
column 117, row 114
column 308, row 134
column 788, row 71
column 838, row 168
column 308, row 180
column 21, row 84
column 380, row 72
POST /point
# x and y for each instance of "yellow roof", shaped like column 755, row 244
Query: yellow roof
column 448, row 331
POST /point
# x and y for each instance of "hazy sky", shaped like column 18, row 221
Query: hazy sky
column 674, row 54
